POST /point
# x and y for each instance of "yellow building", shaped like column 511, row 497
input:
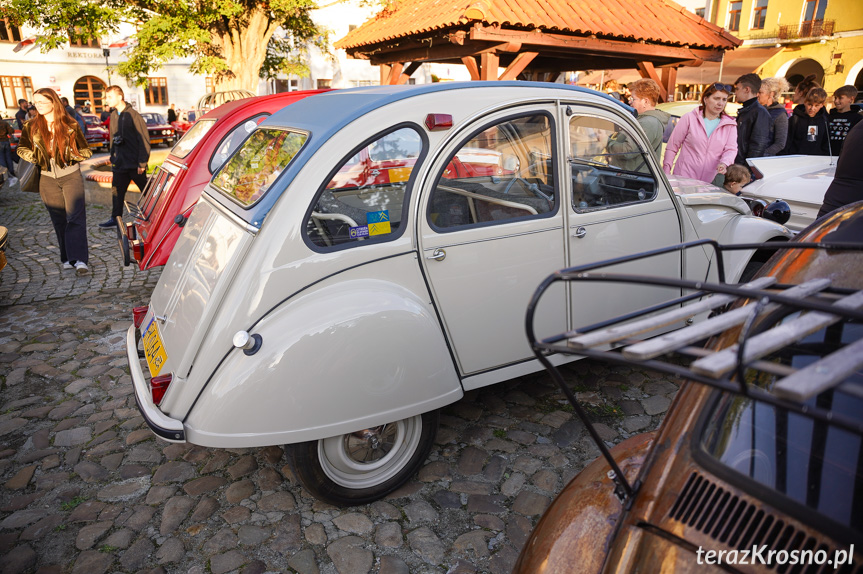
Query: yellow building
column 795, row 38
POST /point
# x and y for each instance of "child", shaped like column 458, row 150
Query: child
column 808, row 126
column 736, row 176
column 842, row 117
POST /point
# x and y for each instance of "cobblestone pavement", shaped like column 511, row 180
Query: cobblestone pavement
column 86, row 487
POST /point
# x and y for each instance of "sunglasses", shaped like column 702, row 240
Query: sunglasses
column 724, row 87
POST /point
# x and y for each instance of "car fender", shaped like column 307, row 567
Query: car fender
column 749, row 229
column 581, row 522
column 340, row 357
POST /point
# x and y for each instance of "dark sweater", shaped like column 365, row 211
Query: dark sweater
column 807, row 136
column 778, row 130
column 840, row 125
column 134, row 151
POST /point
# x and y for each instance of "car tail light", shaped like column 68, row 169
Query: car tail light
column 438, row 122
column 131, row 231
column 137, row 249
column 138, row 314
column 158, row 386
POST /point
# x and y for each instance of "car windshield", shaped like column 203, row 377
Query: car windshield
column 252, row 170
column 185, row 146
column 153, row 119
column 811, row 462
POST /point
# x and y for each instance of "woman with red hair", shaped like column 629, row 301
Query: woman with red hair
column 54, row 141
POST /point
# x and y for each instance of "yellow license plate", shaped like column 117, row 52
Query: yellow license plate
column 160, row 140
column 154, row 349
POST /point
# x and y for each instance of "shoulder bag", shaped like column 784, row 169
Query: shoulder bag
column 28, row 175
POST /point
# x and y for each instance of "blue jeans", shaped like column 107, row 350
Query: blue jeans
column 6, row 157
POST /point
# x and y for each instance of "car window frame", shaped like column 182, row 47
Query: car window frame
column 555, row 155
column 406, row 201
column 212, row 171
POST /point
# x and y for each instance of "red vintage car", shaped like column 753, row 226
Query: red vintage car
column 174, row 188
column 97, row 135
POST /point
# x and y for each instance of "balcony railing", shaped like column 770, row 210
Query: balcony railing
column 810, row 29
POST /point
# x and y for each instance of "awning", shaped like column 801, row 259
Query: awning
column 737, row 62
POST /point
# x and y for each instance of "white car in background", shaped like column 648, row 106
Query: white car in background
column 800, row 180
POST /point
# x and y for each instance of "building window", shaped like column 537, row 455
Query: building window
column 759, row 14
column 90, row 89
column 325, row 84
column 156, row 92
column 814, row 10
column 15, row 88
column 734, row 15
column 85, row 43
column 9, row 33
column 699, row 12
column 208, row 85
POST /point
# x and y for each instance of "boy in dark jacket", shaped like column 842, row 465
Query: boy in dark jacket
column 808, row 126
column 842, row 117
column 753, row 120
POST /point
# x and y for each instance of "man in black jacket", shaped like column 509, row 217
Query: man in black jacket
column 753, row 119
column 21, row 114
column 130, row 151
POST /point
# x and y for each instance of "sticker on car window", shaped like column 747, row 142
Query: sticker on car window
column 378, row 222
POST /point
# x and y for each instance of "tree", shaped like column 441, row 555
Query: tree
column 228, row 39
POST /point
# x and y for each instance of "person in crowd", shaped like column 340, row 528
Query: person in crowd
column 74, row 113
column 705, row 138
column 6, row 132
column 130, row 151
column 21, row 114
column 645, row 94
column 767, row 97
column 842, row 117
column 847, row 184
column 801, row 89
column 31, row 113
column 54, row 142
column 172, row 114
column 753, row 120
column 736, row 176
column 808, row 127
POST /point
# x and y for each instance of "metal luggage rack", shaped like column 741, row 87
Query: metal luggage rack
column 627, row 339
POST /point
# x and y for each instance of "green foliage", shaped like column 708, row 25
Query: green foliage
column 221, row 36
column 499, row 433
column 72, row 504
column 107, row 549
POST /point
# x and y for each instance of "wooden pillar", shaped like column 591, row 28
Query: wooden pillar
column 385, row 74
column 470, row 63
column 647, row 70
column 518, row 65
column 489, row 63
column 669, row 82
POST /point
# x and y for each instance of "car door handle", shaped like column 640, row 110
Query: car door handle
column 437, row 255
column 580, row 232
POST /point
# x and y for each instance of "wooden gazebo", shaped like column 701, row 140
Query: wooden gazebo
column 537, row 39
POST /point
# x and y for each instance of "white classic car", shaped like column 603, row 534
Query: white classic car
column 800, row 180
column 366, row 257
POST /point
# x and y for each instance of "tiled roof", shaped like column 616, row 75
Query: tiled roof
column 657, row 21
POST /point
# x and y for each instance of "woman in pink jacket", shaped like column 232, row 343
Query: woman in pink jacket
column 706, row 138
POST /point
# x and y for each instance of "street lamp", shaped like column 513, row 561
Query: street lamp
column 107, row 52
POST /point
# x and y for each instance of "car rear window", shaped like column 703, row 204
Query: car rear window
column 192, row 137
column 814, row 463
column 251, row 171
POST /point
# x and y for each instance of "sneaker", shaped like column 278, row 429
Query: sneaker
column 67, row 266
column 108, row 224
column 13, row 180
column 81, row 268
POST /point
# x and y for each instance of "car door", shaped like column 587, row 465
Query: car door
column 489, row 234
column 619, row 204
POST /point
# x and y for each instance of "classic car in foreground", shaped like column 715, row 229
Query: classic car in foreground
column 758, row 464
column 161, row 132
column 801, row 180
column 337, row 315
column 174, row 188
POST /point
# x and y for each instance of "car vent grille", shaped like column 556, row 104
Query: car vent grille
column 737, row 524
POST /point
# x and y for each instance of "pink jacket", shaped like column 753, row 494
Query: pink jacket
column 699, row 155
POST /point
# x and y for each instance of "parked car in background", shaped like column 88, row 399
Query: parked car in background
column 337, row 315
column 758, row 464
column 13, row 139
column 173, row 189
column 97, row 135
column 159, row 129
column 801, row 180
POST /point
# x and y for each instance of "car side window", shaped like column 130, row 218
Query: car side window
column 503, row 173
column 232, row 141
column 363, row 200
column 607, row 165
